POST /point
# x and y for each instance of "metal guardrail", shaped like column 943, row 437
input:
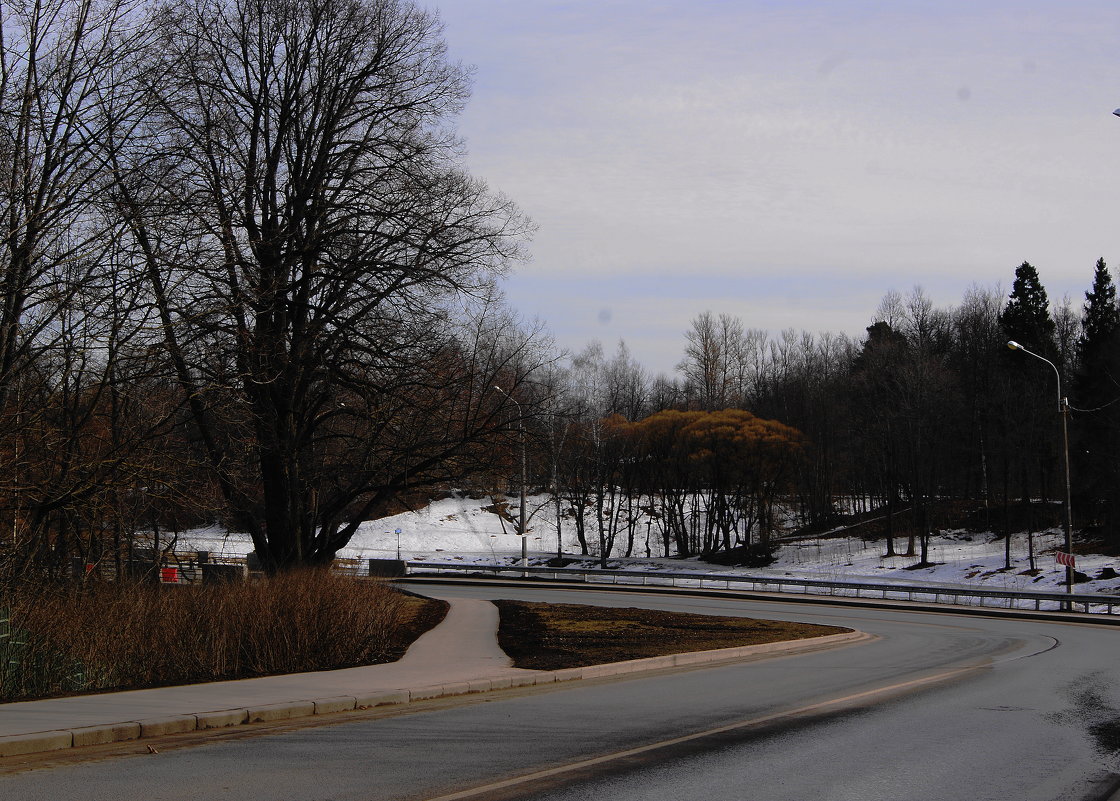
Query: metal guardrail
column 938, row 594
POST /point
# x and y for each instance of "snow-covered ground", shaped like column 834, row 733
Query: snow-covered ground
column 460, row 529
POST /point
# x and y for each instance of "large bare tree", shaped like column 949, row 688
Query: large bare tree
column 311, row 243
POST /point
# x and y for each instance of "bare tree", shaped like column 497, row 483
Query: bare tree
column 63, row 83
column 625, row 385
column 66, row 319
column 308, row 238
column 713, row 361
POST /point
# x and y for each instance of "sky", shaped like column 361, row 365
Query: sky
column 789, row 163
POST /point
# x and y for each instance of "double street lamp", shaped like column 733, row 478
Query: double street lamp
column 1063, row 410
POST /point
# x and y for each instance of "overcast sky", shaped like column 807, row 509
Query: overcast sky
column 789, row 162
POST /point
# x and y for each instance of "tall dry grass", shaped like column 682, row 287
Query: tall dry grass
column 65, row 639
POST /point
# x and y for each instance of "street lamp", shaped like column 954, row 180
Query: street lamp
column 521, row 514
column 1063, row 410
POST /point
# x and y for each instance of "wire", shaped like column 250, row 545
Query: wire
column 1090, row 411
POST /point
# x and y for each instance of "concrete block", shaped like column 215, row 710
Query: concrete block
column 108, row 733
column 381, row 698
column 223, row 574
column 17, row 744
column 425, row 693
column 222, row 718
column 529, row 680
column 501, row 684
column 285, row 711
column 456, row 688
column 172, row 724
column 609, row 669
column 388, row 568
column 341, row 703
column 569, row 674
column 480, row 686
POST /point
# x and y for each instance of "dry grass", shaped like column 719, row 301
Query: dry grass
column 69, row 639
column 556, row 636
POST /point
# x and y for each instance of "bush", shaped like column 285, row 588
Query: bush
column 60, row 639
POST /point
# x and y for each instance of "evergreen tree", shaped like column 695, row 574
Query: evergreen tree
column 1026, row 317
column 1096, row 431
column 1030, row 458
column 1100, row 318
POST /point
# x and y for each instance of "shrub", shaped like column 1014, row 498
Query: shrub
column 59, row 639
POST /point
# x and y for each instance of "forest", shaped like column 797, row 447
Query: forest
column 930, row 411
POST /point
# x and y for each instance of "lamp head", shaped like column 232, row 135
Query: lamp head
column 1011, row 343
column 1117, row 112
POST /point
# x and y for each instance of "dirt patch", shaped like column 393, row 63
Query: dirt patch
column 540, row 636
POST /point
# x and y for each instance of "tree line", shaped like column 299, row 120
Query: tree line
column 929, row 407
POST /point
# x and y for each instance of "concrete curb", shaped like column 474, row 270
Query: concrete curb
column 38, row 742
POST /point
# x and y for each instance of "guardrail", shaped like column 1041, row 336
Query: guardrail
column 938, row 594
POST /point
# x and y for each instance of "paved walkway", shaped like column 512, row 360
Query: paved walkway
column 459, row 656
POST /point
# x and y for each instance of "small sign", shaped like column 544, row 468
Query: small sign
column 1066, row 559
column 169, row 575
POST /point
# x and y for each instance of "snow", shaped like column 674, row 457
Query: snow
column 461, row 529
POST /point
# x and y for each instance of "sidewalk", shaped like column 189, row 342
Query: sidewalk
column 459, row 656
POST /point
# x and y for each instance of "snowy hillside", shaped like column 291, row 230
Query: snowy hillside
column 463, row 529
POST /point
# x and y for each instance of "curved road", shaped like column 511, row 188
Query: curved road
column 938, row 707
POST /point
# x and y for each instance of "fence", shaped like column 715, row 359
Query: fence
column 937, row 594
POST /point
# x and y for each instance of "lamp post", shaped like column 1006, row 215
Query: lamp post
column 1063, row 410
column 521, row 513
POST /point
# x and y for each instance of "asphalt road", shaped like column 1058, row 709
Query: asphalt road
column 939, row 707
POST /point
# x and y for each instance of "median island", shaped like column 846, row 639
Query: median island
column 543, row 636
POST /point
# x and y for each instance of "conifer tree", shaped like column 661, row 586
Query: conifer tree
column 1100, row 318
column 1030, row 459
column 1026, row 317
column 1097, row 429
